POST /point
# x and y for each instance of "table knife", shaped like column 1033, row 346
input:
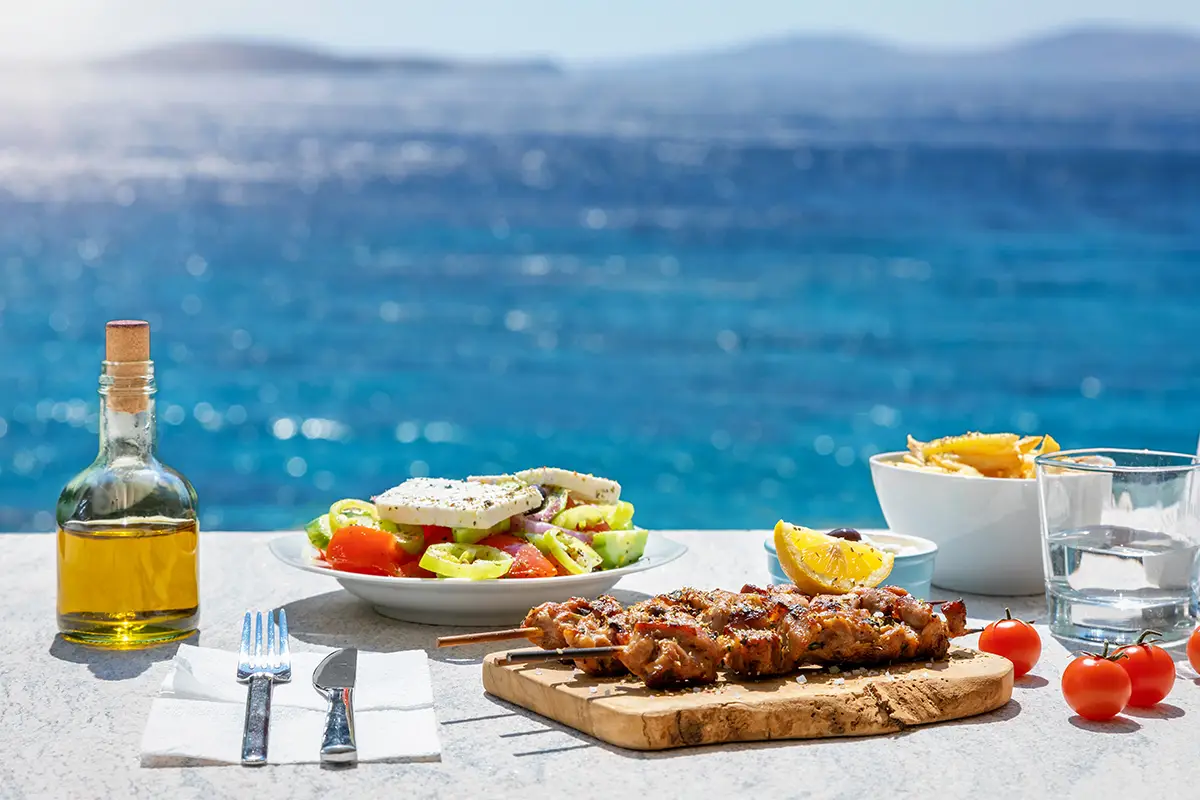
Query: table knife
column 334, row 678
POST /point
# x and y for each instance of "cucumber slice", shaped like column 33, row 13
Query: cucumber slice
column 318, row 532
column 473, row 535
column 619, row 548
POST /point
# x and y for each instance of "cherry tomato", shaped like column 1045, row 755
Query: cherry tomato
column 1193, row 649
column 356, row 548
column 1151, row 670
column 1014, row 639
column 528, row 561
column 1096, row 687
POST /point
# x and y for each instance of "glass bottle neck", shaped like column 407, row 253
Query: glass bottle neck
column 127, row 423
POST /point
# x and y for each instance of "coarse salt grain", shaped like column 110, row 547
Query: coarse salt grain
column 592, row 689
column 929, row 665
column 537, row 672
column 696, row 690
column 801, row 679
column 839, row 681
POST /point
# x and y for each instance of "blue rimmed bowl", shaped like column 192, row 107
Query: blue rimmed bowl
column 911, row 571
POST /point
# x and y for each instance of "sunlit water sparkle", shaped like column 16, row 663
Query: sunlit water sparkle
column 727, row 301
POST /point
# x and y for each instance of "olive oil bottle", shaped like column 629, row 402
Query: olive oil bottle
column 128, row 555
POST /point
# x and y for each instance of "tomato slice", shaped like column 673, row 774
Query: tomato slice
column 435, row 534
column 370, row 551
column 528, row 561
column 412, row 569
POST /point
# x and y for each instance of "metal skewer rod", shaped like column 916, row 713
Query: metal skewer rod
column 528, row 656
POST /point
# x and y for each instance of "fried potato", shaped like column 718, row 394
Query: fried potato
column 915, row 447
column 1029, row 443
column 921, row 467
column 1028, row 469
column 973, row 444
column 991, row 455
column 952, row 464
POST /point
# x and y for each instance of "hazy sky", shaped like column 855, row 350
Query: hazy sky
column 567, row 29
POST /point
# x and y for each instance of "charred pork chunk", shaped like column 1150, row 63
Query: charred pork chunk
column 671, row 650
column 605, row 626
column 554, row 619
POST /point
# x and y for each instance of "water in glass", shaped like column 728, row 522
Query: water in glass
column 1122, row 546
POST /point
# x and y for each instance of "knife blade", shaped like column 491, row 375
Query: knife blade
column 334, row 678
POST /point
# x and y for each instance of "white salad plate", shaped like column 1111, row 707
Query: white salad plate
column 458, row 601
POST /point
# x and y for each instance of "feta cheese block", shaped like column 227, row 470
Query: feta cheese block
column 600, row 490
column 455, row 504
column 494, row 479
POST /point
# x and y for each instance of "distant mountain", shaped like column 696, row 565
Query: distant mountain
column 1091, row 54
column 215, row 55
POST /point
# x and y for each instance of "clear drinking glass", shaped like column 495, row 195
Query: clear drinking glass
column 1120, row 543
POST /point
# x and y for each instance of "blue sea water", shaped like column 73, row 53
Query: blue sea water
column 727, row 298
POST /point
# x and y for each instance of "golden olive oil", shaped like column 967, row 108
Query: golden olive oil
column 131, row 585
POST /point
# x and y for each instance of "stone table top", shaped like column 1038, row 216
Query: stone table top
column 72, row 717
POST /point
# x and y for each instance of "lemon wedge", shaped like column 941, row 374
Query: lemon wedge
column 820, row 564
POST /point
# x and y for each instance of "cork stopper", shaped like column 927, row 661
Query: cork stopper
column 127, row 365
column 127, row 340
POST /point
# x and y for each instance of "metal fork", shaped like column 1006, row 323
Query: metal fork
column 261, row 668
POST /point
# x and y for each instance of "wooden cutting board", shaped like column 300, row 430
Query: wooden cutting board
column 621, row 711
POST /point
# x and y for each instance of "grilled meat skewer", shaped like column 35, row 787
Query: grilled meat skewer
column 682, row 637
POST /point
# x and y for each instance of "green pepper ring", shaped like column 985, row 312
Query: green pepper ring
column 475, row 562
column 575, row 556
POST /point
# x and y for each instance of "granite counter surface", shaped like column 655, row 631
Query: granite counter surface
column 72, row 717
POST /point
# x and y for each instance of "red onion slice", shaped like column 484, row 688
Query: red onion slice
column 530, row 525
column 555, row 502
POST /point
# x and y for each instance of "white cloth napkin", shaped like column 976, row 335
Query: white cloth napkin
column 199, row 714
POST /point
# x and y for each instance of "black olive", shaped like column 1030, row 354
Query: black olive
column 849, row 534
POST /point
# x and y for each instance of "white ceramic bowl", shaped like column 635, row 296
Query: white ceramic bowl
column 987, row 530
column 457, row 601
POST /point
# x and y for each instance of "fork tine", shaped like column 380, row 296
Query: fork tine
column 258, row 639
column 285, row 653
column 244, row 651
column 272, row 655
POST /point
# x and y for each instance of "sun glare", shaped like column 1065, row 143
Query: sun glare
column 53, row 29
